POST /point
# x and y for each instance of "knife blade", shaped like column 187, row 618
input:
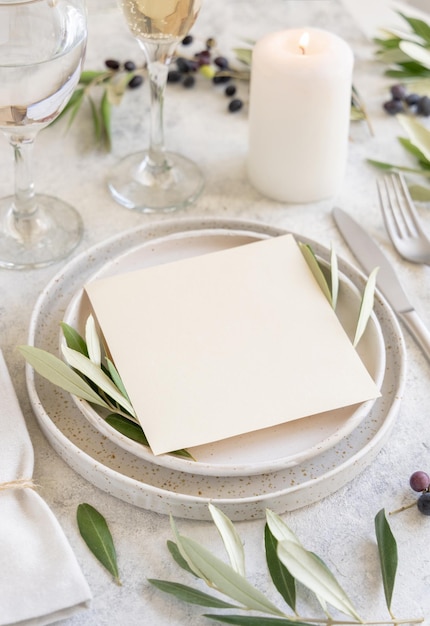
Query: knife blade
column 369, row 255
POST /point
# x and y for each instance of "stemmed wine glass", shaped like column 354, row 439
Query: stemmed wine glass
column 42, row 46
column 157, row 180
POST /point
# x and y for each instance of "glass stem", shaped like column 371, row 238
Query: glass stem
column 158, row 58
column 24, row 201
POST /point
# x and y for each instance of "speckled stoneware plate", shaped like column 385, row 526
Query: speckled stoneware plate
column 164, row 490
column 259, row 452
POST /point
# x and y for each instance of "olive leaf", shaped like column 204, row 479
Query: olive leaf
column 315, row 269
column 334, row 275
column 400, row 168
column 177, row 556
column 419, row 135
column 183, row 552
column 126, row 427
column 249, row 620
column 279, row 529
column 310, row 570
column 74, row 339
column 387, row 549
column 415, row 151
column 244, row 55
column 116, row 378
column 191, row 595
column 419, row 193
column 231, row 539
column 366, row 306
column 416, row 52
column 58, row 373
column 88, row 368
column 92, row 341
column 105, row 116
column 224, row 578
column 419, row 27
column 282, row 579
column 96, row 534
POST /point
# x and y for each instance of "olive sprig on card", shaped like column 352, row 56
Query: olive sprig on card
column 90, row 375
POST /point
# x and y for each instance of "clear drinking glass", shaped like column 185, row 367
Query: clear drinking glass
column 157, row 180
column 42, row 46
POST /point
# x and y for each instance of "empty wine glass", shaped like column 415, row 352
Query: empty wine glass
column 42, row 46
column 157, row 180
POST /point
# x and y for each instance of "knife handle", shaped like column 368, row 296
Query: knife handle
column 418, row 330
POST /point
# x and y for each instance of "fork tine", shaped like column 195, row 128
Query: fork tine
column 401, row 219
column 410, row 215
column 386, row 205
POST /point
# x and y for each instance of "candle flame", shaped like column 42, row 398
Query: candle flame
column 304, row 42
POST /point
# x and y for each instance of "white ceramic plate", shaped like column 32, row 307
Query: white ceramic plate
column 258, row 452
column 165, row 491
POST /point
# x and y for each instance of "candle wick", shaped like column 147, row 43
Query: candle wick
column 303, row 49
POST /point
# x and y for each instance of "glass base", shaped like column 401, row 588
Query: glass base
column 45, row 237
column 137, row 183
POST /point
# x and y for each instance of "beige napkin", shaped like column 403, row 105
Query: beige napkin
column 40, row 579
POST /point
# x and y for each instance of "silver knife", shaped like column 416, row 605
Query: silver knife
column 370, row 255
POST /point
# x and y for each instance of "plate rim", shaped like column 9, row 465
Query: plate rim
column 203, row 467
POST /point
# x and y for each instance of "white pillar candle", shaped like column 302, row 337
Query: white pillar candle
column 300, row 100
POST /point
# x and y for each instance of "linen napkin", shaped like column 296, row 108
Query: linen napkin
column 40, row 579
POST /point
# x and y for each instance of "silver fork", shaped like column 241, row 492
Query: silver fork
column 402, row 220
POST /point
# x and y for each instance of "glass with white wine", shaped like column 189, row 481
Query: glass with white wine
column 156, row 179
column 42, row 47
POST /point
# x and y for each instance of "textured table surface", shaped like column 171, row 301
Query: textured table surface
column 340, row 527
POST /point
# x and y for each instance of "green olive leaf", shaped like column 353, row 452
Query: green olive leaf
column 127, row 428
column 96, row 119
column 224, row 578
column 416, row 152
column 96, row 534
column 72, row 105
column 310, row 570
column 279, row 528
column 419, row 27
column 184, row 554
column 177, row 556
column 334, row 276
column 74, row 339
column 58, row 373
column 92, row 341
column 400, row 168
column 116, row 378
column 418, row 134
column 244, row 55
column 89, row 76
column 387, row 549
column 281, row 577
column 249, row 620
column 419, row 193
column 231, row 539
column 315, row 269
column 416, row 52
column 84, row 365
column 105, row 116
column 190, row 595
column 366, row 306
